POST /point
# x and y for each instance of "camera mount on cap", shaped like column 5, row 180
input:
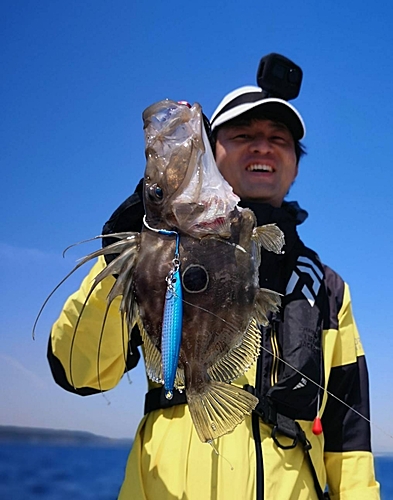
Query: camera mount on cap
column 279, row 77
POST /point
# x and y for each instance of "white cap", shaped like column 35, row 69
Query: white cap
column 245, row 98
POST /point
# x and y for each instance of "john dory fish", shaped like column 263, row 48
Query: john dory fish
column 189, row 280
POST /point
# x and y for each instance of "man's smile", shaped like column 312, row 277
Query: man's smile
column 259, row 167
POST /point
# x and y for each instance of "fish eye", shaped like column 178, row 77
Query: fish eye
column 155, row 192
column 158, row 192
column 195, row 278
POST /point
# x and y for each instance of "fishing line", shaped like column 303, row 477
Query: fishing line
column 296, row 370
column 211, row 442
column 125, row 238
column 328, row 392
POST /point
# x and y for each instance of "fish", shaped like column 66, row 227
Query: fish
column 189, row 280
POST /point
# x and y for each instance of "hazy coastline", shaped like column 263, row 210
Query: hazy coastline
column 33, row 435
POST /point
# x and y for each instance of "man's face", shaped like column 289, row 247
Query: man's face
column 257, row 159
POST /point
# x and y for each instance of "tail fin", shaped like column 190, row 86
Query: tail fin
column 219, row 409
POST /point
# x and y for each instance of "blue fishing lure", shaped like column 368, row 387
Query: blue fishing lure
column 172, row 322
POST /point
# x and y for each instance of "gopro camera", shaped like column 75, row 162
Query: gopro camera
column 279, row 77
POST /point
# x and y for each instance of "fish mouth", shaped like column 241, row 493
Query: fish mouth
column 212, row 225
column 210, row 216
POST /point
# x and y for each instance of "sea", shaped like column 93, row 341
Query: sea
column 49, row 472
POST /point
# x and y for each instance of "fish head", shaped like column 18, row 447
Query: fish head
column 183, row 188
column 172, row 145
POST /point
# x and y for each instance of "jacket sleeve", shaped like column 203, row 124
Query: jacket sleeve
column 348, row 458
column 89, row 349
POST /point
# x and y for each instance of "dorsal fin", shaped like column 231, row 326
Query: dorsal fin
column 153, row 360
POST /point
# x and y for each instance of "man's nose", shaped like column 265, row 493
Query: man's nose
column 260, row 144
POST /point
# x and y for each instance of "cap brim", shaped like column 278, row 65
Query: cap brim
column 271, row 108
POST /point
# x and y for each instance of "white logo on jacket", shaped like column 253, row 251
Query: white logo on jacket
column 301, row 384
column 306, row 266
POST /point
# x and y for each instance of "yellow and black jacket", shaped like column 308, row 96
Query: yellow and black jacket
column 273, row 454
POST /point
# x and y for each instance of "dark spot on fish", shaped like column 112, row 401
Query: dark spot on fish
column 195, row 278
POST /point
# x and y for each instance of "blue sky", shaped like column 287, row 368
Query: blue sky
column 76, row 77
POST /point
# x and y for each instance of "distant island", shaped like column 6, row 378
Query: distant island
column 31, row 435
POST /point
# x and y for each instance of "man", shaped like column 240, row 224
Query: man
column 280, row 451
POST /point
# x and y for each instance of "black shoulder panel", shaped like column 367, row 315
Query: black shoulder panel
column 344, row 429
column 335, row 293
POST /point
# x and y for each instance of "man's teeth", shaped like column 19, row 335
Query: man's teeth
column 260, row 168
